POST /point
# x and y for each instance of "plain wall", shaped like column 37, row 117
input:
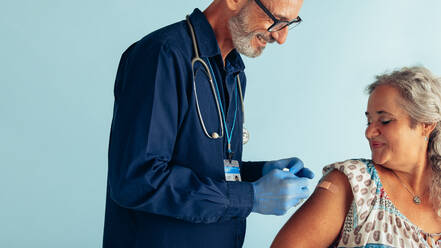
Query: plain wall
column 305, row 98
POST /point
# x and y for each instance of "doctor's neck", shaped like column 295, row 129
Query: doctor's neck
column 218, row 14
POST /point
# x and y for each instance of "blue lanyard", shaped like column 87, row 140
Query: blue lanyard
column 229, row 135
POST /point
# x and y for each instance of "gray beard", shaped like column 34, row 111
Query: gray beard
column 241, row 38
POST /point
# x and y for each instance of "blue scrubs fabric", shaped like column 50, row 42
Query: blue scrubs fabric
column 166, row 180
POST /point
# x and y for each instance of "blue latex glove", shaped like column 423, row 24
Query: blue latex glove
column 294, row 165
column 278, row 191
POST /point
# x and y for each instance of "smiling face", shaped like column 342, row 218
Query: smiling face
column 394, row 140
column 249, row 27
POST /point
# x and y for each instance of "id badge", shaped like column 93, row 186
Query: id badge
column 232, row 170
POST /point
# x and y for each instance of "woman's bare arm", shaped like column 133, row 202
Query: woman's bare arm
column 319, row 221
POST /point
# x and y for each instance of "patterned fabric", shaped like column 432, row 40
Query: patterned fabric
column 373, row 220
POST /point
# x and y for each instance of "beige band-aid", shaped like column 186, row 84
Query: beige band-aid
column 328, row 186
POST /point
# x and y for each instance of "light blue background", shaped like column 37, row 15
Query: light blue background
column 58, row 64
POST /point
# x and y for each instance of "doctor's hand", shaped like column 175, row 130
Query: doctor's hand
column 278, row 191
column 295, row 166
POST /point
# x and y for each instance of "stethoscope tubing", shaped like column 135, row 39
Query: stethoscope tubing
column 198, row 59
column 213, row 90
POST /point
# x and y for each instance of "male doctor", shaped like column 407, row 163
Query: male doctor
column 176, row 176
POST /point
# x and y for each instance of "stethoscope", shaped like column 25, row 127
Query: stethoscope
column 197, row 59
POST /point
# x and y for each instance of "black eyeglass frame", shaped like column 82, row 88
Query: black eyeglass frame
column 276, row 21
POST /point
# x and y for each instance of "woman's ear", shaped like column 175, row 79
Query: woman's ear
column 428, row 128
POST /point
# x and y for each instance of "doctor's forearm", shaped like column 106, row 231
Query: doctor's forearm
column 183, row 195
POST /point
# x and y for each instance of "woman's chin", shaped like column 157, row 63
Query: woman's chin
column 378, row 159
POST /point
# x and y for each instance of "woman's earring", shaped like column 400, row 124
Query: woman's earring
column 425, row 138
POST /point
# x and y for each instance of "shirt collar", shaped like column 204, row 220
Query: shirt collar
column 234, row 62
column 207, row 42
column 205, row 36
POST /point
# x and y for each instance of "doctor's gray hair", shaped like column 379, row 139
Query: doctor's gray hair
column 421, row 92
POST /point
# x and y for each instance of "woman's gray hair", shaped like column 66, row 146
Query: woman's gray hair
column 421, row 92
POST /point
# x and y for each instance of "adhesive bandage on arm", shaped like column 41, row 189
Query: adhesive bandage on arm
column 328, row 186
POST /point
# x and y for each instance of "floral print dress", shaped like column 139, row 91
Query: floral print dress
column 373, row 220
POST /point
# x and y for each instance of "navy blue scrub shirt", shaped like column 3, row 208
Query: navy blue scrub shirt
column 166, row 180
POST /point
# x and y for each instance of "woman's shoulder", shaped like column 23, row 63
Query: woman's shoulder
column 361, row 177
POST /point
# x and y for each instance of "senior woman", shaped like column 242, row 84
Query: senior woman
column 392, row 200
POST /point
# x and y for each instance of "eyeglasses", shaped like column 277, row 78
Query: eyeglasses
column 278, row 24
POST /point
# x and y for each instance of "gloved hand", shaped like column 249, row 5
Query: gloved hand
column 278, row 191
column 294, row 165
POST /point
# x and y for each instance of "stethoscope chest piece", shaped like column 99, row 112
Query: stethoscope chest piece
column 215, row 135
column 245, row 136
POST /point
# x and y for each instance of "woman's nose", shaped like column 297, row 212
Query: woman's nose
column 372, row 131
